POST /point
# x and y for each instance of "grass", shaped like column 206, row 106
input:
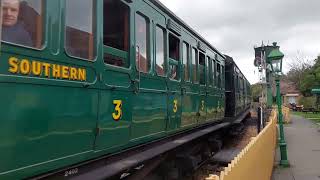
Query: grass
column 311, row 116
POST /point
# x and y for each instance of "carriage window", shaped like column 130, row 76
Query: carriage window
column 202, row 59
column 194, row 65
column 237, row 84
column 80, row 29
column 213, row 70
column 208, row 69
column 174, row 55
column 116, row 33
column 22, row 22
column 218, row 75
column 174, row 47
column 186, row 61
column 160, row 65
column 222, row 77
column 142, row 61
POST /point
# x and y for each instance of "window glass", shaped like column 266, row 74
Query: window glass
column 208, row 71
column 194, row 65
column 223, row 76
column 22, row 22
column 142, row 61
column 213, row 67
column 116, row 32
column 202, row 59
column 219, row 75
column 186, row 61
column 80, row 29
column 238, row 84
column 160, row 65
column 174, row 47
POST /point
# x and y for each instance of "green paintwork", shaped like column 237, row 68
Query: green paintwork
column 282, row 143
column 315, row 91
column 47, row 124
column 275, row 54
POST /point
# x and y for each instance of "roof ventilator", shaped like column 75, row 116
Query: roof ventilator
column 202, row 46
column 174, row 27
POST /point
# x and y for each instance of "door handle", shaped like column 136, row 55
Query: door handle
column 183, row 90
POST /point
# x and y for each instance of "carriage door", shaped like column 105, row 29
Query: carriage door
column 202, row 90
column 149, row 105
column 189, row 110
column 174, row 83
column 220, row 92
column 115, row 96
column 210, row 104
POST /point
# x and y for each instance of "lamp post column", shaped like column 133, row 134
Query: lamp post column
column 282, row 143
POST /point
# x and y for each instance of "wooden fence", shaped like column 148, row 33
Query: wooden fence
column 286, row 115
column 256, row 160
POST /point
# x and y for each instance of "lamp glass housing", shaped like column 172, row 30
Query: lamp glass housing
column 277, row 65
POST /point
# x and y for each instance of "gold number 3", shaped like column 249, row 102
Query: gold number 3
column 118, row 111
column 202, row 105
column 175, row 106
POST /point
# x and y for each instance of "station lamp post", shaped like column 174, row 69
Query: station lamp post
column 275, row 58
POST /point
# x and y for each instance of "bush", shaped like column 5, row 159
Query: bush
column 308, row 102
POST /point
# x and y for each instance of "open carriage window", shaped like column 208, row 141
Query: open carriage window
column 80, row 29
column 116, row 33
column 174, row 47
column 22, row 22
column 174, row 55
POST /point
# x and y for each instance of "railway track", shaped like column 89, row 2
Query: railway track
column 197, row 160
column 232, row 145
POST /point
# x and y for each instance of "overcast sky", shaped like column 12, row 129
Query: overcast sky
column 235, row 26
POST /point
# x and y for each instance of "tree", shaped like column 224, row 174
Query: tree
column 298, row 66
column 256, row 90
column 305, row 74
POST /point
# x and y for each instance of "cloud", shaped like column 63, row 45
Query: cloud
column 234, row 26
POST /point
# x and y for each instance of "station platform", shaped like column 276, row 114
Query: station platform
column 303, row 142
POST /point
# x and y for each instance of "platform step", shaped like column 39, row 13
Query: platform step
column 225, row 156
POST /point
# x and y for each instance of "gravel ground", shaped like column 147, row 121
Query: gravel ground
column 238, row 142
column 249, row 132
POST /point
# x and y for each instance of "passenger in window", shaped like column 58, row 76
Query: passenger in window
column 12, row 30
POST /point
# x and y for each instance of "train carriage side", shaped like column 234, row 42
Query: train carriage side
column 98, row 82
column 237, row 90
column 230, row 88
column 49, row 90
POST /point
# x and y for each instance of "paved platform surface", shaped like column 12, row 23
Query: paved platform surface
column 303, row 141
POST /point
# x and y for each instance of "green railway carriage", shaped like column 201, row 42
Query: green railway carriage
column 238, row 93
column 99, row 77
